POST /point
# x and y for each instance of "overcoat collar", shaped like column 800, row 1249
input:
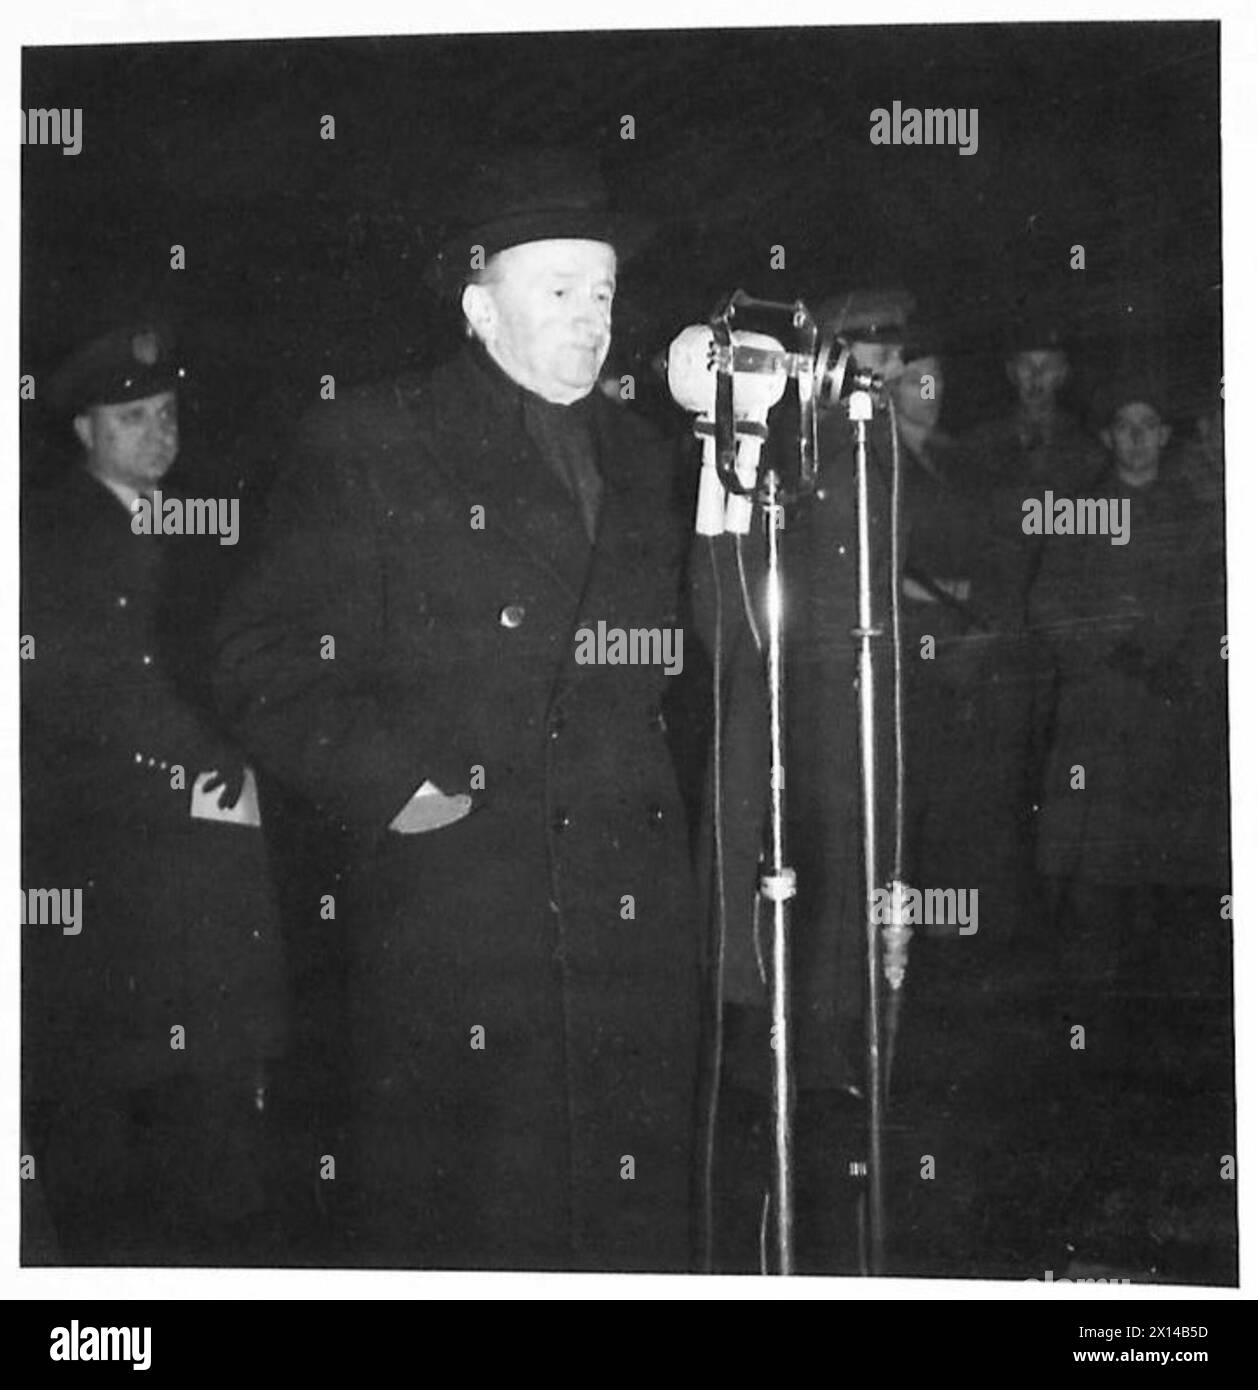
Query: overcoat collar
column 471, row 417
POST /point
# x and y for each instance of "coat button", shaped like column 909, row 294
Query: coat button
column 554, row 725
column 147, row 659
column 655, row 815
column 560, row 821
column 656, row 721
column 122, row 600
column 512, row 615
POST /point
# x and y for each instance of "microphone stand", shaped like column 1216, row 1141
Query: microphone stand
column 860, row 411
column 897, row 933
column 822, row 378
column 777, row 886
column 778, row 881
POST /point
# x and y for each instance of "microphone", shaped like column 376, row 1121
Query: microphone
column 761, row 369
column 837, row 374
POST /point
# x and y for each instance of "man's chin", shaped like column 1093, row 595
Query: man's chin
column 580, row 386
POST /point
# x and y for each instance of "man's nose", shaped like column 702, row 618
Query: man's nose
column 594, row 312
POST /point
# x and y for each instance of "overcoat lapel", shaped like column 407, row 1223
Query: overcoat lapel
column 496, row 466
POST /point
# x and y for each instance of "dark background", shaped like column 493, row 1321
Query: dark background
column 306, row 256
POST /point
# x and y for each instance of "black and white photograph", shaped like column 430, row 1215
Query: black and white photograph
column 625, row 653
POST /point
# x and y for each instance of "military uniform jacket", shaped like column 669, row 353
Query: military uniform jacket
column 179, row 925
column 1134, row 631
column 524, row 981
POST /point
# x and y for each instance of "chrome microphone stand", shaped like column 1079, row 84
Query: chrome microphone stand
column 777, row 886
column 860, row 412
column 894, row 934
column 778, row 880
column 704, row 363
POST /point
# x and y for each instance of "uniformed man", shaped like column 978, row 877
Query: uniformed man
column 940, row 625
column 147, row 1031
column 1037, row 447
column 408, row 657
column 1137, row 852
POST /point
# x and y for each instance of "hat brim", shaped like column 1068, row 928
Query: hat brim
column 1109, row 399
column 451, row 268
column 110, row 371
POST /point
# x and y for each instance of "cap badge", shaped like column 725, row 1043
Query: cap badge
column 145, row 348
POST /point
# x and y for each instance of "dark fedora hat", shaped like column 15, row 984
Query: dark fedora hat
column 530, row 195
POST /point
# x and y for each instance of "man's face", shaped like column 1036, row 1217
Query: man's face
column 133, row 443
column 1137, row 436
column 918, row 392
column 1038, row 376
column 544, row 312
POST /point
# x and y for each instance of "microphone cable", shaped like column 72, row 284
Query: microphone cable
column 718, row 837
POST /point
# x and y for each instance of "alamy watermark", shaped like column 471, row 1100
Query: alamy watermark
column 932, row 907
column 187, row 516
column 1078, row 516
column 55, row 126
column 57, row 907
column 936, row 125
column 635, row 646
column 75, row 1343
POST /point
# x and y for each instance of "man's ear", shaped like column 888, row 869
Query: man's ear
column 83, row 428
column 478, row 309
column 1107, row 438
column 1164, row 436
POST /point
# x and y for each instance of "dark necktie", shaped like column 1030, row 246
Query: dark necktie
column 564, row 435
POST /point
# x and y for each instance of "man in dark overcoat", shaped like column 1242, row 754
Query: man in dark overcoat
column 426, row 654
column 150, row 1024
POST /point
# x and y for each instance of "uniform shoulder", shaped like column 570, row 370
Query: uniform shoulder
column 64, row 501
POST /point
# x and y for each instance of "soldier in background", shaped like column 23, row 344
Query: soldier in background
column 148, row 1032
column 1037, row 446
column 1137, row 852
column 941, row 628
